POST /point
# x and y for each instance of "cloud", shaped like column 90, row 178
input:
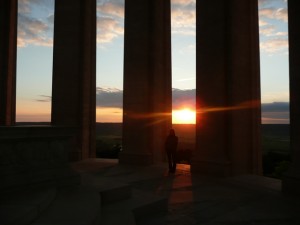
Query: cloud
column 267, row 30
column 281, row 34
column 44, row 98
column 274, row 13
column 188, row 49
column 267, row 12
column 109, row 97
column 282, row 14
column 114, row 8
column 263, row 23
column 183, row 17
column 183, row 2
column 33, row 31
column 275, row 107
column 266, row 2
column 25, row 6
column 262, row 2
column 113, row 98
column 110, row 23
column 184, row 98
column 275, row 113
column 50, row 19
column 274, row 119
column 108, row 29
column 186, row 79
column 274, row 40
column 110, row 20
column 39, row 31
column 275, row 45
column 276, row 96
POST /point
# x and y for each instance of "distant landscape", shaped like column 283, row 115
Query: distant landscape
column 275, row 137
column 275, row 140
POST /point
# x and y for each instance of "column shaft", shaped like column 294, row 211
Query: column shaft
column 147, row 80
column 228, row 88
column 291, row 181
column 74, row 71
column 8, row 52
column 244, row 88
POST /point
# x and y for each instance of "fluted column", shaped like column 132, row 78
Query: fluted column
column 8, row 52
column 228, row 88
column 291, row 181
column 74, row 72
column 147, row 80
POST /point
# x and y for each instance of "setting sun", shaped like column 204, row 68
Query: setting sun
column 183, row 116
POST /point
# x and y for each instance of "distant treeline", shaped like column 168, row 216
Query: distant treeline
column 279, row 130
column 116, row 128
column 103, row 129
column 266, row 129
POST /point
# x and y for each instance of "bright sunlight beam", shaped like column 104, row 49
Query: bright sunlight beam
column 183, row 116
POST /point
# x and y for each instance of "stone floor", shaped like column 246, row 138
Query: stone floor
column 194, row 199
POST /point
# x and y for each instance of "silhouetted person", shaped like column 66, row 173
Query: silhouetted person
column 171, row 147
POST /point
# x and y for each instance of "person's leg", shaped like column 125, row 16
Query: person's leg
column 170, row 159
column 174, row 161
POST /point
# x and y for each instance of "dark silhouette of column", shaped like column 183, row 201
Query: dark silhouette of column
column 291, row 180
column 147, row 80
column 8, row 52
column 228, row 88
column 74, row 71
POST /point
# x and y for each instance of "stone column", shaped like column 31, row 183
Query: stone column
column 8, row 52
column 147, row 80
column 228, row 88
column 291, row 181
column 74, row 71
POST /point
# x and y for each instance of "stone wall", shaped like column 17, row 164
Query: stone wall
column 35, row 156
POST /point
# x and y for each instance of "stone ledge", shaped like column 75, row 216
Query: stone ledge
column 35, row 156
column 73, row 206
column 25, row 207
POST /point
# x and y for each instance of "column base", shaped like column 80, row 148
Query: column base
column 211, row 168
column 291, row 183
column 135, row 159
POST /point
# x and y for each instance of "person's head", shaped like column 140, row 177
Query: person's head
column 172, row 132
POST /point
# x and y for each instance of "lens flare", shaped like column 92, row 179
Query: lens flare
column 184, row 116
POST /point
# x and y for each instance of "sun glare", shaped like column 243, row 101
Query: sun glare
column 183, row 116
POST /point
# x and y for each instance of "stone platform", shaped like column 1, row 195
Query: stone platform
column 194, row 199
column 112, row 194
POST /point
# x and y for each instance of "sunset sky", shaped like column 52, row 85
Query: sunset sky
column 35, row 49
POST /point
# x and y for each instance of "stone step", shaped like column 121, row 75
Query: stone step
column 139, row 207
column 109, row 189
column 114, row 193
column 24, row 207
column 256, row 182
column 73, row 206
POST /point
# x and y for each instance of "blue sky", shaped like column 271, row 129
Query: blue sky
column 34, row 65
